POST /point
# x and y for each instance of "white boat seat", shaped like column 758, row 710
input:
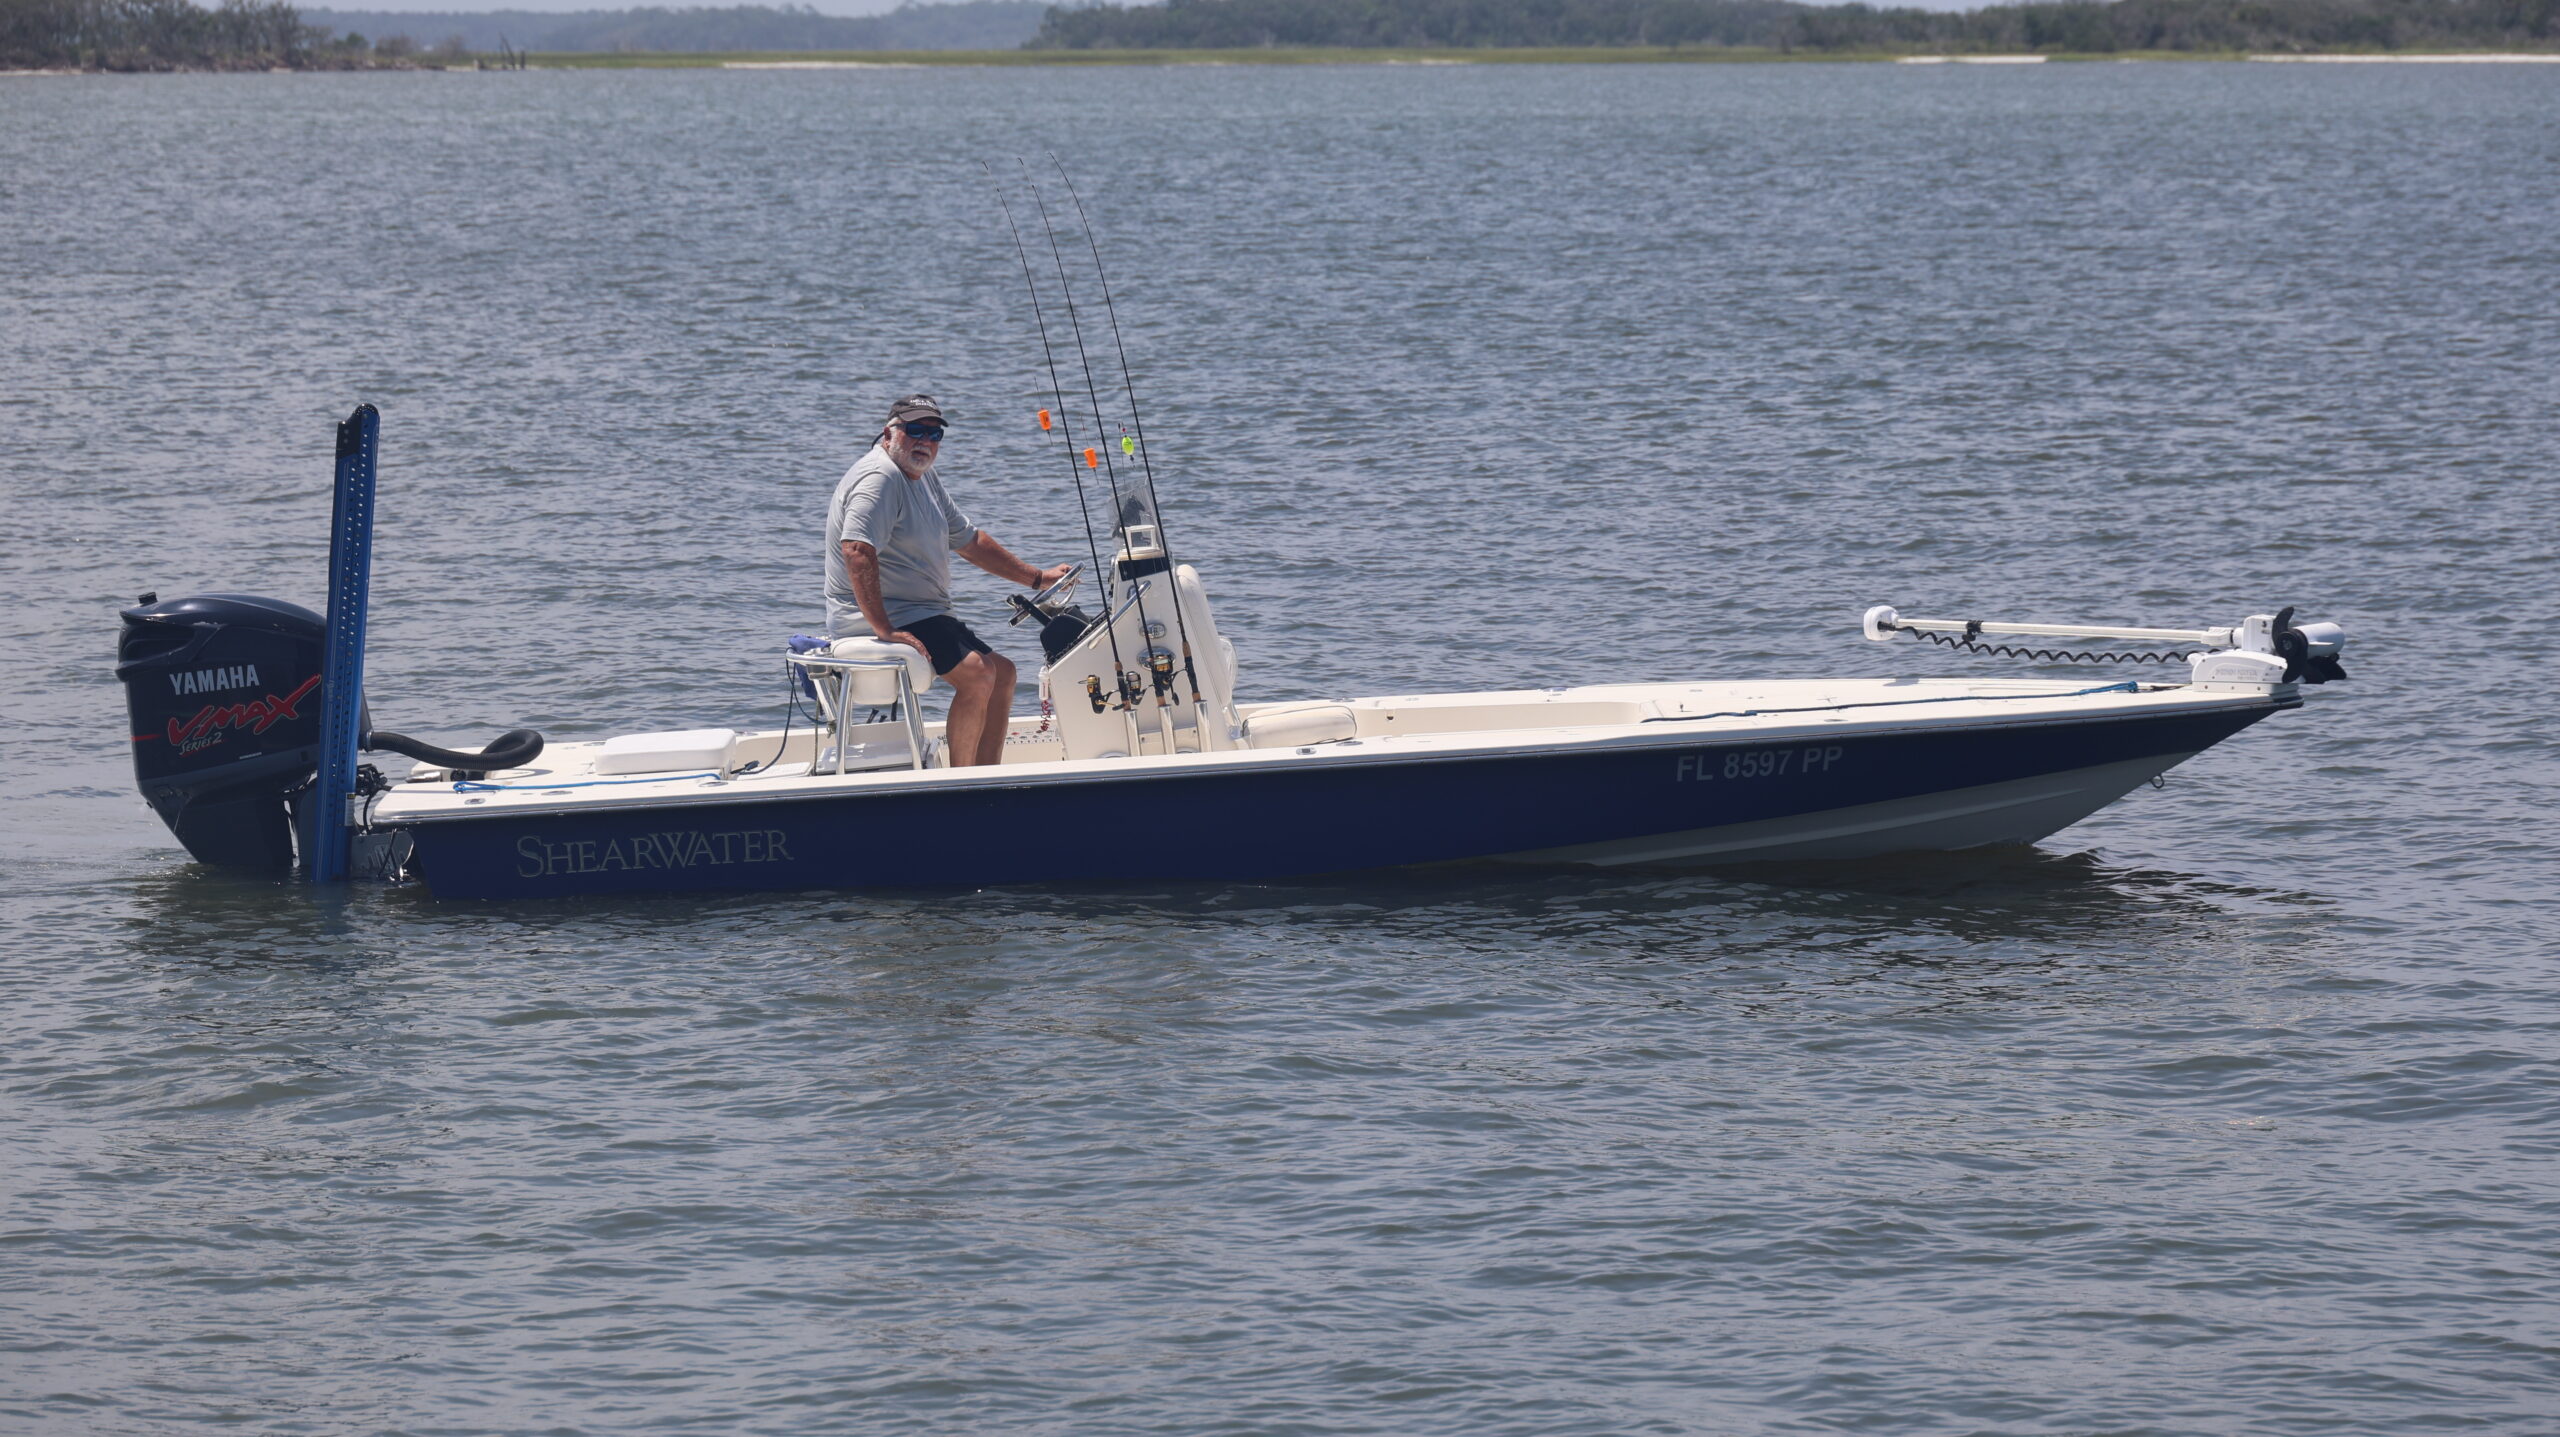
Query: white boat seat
column 1294, row 725
column 878, row 688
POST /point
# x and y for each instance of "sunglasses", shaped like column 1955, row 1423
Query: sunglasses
column 930, row 433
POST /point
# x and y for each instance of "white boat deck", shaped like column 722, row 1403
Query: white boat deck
column 767, row 766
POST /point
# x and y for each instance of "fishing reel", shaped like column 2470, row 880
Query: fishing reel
column 1061, row 623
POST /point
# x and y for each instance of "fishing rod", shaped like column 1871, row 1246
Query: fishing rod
column 1146, row 462
column 1066, row 435
column 1075, row 326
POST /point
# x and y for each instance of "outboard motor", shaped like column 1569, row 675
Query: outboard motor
column 224, row 693
column 228, row 719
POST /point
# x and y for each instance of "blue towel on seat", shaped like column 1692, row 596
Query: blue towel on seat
column 806, row 644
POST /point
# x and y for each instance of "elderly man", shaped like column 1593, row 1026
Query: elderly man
column 891, row 531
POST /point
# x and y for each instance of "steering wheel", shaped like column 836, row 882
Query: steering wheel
column 1024, row 608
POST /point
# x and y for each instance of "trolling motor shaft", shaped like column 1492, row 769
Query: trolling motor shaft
column 2261, row 648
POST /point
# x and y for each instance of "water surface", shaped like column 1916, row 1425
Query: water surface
column 2231, row 1110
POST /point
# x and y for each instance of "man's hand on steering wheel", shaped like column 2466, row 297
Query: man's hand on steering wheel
column 1051, row 588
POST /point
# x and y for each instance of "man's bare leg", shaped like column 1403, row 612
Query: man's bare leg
column 999, row 711
column 981, row 710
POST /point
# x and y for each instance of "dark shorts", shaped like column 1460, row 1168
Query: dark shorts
column 947, row 641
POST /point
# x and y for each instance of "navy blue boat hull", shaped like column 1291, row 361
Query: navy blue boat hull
column 1264, row 821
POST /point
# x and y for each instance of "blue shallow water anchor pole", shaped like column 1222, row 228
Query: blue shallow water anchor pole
column 342, row 643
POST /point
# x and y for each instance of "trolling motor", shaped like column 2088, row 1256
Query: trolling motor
column 2260, row 650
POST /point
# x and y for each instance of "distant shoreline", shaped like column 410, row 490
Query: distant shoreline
column 238, row 35
column 1525, row 55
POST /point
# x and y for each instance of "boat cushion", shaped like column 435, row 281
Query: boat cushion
column 879, row 689
column 1296, row 724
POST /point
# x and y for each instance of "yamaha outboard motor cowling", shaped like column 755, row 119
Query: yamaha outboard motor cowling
column 224, row 693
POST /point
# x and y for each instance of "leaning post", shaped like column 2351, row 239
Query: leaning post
column 342, row 643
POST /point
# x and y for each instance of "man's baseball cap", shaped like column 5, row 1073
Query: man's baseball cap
column 913, row 407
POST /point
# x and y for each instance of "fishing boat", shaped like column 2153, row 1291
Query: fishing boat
column 249, row 721
column 1608, row 774
column 1139, row 720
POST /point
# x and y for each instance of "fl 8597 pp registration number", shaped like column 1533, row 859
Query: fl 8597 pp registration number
column 1743, row 763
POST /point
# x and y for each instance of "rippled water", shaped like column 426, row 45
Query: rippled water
column 2231, row 1110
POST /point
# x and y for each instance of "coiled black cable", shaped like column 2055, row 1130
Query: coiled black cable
column 1970, row 642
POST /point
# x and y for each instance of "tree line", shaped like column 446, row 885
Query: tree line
column 167, row 35
column 272, row 34
column 966, row 25
column 2088, row 26
column 986, row 24
column 263, row 34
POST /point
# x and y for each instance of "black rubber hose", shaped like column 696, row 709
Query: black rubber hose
column 513, row 749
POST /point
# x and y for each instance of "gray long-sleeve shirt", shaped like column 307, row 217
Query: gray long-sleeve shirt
column 911, row 524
